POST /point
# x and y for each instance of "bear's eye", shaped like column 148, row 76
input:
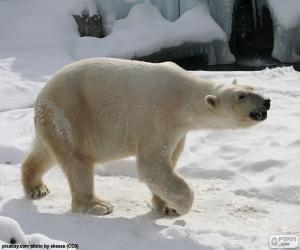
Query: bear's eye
column 242, row 96
column 13, row 241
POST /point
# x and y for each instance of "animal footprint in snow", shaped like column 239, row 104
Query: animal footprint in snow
column 248, row 210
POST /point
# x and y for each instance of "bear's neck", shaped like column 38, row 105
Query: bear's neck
column 199, row 115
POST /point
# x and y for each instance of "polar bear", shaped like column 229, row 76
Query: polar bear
column 102, row 109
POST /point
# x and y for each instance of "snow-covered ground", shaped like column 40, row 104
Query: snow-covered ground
column 246, row 182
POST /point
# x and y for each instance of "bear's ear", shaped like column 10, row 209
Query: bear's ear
column 234, row 82
column 211, row 101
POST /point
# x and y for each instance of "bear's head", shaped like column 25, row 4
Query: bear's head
column 238, row 106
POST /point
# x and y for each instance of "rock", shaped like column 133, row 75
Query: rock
column 89, row 25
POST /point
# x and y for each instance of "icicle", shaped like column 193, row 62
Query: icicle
column 212, row 60
column 254, row 13
column 260, row 5
column 221, row 11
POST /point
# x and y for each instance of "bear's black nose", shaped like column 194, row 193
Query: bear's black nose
column 267, row 103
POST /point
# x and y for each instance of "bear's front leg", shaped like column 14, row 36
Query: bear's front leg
column 156, row 170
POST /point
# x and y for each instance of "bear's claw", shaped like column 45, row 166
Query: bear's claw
column 38, row 192
column 102, row 208
column 169, row 211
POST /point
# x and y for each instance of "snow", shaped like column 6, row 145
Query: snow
column 221, row 11
column 14, row 93
column 168, row 8
column 280, row 9
column 246, row 182
column 143, row 14
column 10, row 231
column 55, row 39
column 145, row 31
column 88, row 7
column 38, row 38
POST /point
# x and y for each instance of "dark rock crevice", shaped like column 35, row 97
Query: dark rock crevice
column 89, row 25
column 249, row 38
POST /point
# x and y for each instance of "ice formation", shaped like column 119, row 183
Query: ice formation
column 86, row 7
column 221, row 11
column 147, row 34
column 115, row 9
column 286, row 27
column 168, row 8
column 286, row 23
column 145, row 31
column 254, row 13
column 258, row 5
column 140, row 14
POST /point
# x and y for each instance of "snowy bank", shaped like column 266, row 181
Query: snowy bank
column 145, row 31
column 44, row 35
column 11, row 234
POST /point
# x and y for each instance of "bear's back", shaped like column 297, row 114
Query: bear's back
column 117, row 79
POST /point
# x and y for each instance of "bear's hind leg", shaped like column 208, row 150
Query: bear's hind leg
column 79, row 171
column 37, row 163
